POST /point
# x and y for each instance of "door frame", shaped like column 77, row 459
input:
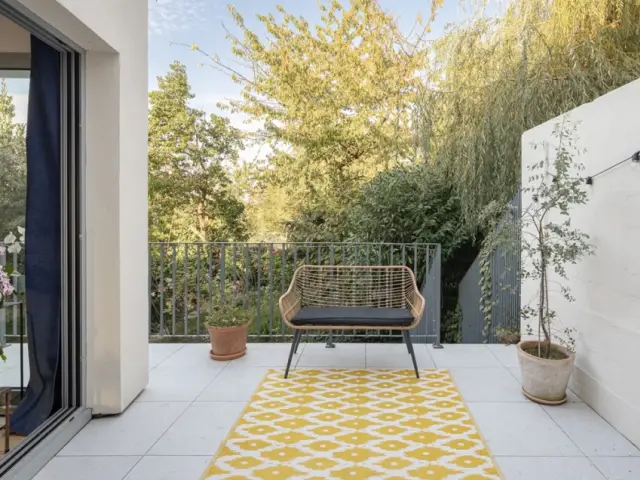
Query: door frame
column 43, row 444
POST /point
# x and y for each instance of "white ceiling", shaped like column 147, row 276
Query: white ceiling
column 13, row 39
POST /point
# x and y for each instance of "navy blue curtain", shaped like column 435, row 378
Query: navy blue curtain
column 42, row 242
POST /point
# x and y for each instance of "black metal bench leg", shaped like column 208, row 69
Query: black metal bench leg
column 297, row 343
column 404, row 335
column 407, row 338
column 294, row 343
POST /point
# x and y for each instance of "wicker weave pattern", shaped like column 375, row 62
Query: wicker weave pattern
column 352, row 286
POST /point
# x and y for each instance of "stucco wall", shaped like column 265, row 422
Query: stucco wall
column 114, row 35
column 606, row 287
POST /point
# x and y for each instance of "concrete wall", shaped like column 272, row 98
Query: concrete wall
column 606, row 287
column 114, row 35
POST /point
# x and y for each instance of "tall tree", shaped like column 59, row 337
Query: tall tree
column 494, row 78
column 13, row 165
column 191, row 155
column 335, row 98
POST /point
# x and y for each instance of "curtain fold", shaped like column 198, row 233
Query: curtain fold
column 42, row 242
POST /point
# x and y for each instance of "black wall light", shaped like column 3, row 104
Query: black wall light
column 635, row 158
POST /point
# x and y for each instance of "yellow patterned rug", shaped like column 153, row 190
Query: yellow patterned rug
column 355, row 424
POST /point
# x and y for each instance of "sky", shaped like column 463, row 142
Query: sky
column 175, row 24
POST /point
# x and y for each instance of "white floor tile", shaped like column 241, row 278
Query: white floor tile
column 169, row 468
column 487, row 385
column 380, row 355
column 11, row 377
column 178, row 384
column 272, row 355
column 178, row 439
column 521, row 429
column 159, row 352
column 548, row 468
column 506, row 354
column 593, row 435
column 466, row 356
column 234, row 384
column 571, row 397
column 12, row 352
column 83, row 468
column 192, row 355
column 345, row 355
column 200, row 429
column 10, row 370
column 132, row 433
column 618, row 468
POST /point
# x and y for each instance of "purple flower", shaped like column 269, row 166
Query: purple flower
column 6, row 288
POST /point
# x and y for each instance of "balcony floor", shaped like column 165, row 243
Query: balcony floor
column 176, row 425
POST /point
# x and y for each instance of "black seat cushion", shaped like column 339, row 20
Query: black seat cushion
column 352, row 317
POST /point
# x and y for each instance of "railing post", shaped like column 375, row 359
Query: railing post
column 14, row 309
column 185, row 297
column 259, row 291
column 3, row 315
column 161, row 291
column 150, row 284
column 198, row 289
column 173, row 288
column 437, row 282
column 271, row 287
column 330, row 343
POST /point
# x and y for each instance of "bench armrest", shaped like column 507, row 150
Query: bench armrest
column 416, row 305
column 290, row 304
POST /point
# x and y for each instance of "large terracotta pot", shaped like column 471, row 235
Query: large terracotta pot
column 544, row 380
column 228, row 343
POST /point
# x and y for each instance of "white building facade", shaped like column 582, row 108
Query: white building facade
column 110, row 195
column 606, row 286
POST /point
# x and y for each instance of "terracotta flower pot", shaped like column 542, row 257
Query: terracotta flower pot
column 228, row 343
column 545, row 380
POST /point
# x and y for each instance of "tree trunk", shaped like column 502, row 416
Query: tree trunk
column 543, row 304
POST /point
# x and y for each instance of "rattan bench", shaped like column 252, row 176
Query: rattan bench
column 352, row 298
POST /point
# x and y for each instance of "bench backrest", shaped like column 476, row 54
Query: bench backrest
column 354, row 286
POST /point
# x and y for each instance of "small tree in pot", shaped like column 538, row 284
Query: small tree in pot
column 548, row 244
column 228, row 325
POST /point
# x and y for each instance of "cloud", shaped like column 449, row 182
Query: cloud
column 167, row 16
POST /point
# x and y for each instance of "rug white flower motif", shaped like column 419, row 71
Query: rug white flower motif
column 355, row 424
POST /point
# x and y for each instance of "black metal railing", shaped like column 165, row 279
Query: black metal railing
column 187, row 280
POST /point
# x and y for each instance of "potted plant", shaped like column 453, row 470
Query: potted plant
column 548, row 244
column 228, row 325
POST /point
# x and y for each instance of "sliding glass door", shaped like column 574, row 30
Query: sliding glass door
column 41, row 327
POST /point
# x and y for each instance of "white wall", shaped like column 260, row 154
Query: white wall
column 114, row 35
column 606, row 286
